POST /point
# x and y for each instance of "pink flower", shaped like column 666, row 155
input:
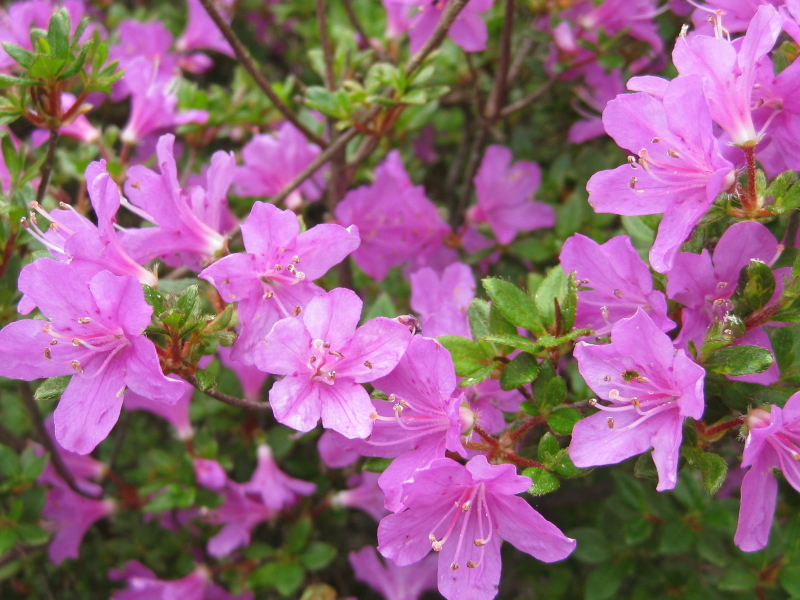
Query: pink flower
column 141, row 44
column 614, row 283
column 468, row 31
column 398, row 224
column 186, row 225
column 201, row 32
column 93, row 332
column 176, row 414
column 209, row 474
column 633, row 16
column 679, row 170
column 331, row 451
column 651, row 387
column 441, row 502
column 275, row 488
column 442, row 302
column 271, row 162
column 71, row 515
column 251, row 378
column 325, row 359
column 393, row 582
column 773, row 442
column 504, row 191
column 83, row 468
column 598, row 90
column 238, row 514
column 364, row 493
column 272, row 280
column 143, row 585
column 489, row 401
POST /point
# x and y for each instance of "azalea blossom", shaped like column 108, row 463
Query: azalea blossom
column 393, row 582
column 176, row 414
column 489, row 402
column 773, row 442
column 144, row 585
column 442, row 302
column 238, row 515
column 93, row 332
column 275, row 488
column 272, row 280
column 325, row 359
column 363, row 493
column 651, row 389
column 678, row 169
column 613, row 283
column 440, row 504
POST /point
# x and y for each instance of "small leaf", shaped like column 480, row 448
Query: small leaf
column 552, row 395
column 374, row 464
column 154, row 298
column 317, row 556
column 548, row 341
column 714, row 473
column 468, row 356
column 515, row 341
column 544, row 482
column 563, row 420
column 516, row 306
column 53, row 388
column 478, row 315
column 737, row 579
column 553, row 286
column 297, row 536
column 24, row 57
column 756, row 285
column 739, row 360
column 477, row 376
column 205, row 379
column 520, row 371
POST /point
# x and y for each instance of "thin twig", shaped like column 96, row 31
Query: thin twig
column 519, row 59
column 44, row 438
column 47, row 167
column 351, row 14
column 250, row 66
column 497, row 95
column 790, row 238
column 475, row 156
column 226, row 399
column 515, row 106
column 11, row 439
column 325, row 41
column 450, row 14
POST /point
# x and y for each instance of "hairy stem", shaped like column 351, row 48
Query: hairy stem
column 250, row 66
column 226, row 399
column 750, row 200
column 47, row 167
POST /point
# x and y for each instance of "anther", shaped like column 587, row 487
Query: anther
column 313, row 359
column 76, row 342
column 607, row 378
column 278, row 267
column 454, row 566
column 324, row 344
column 436, row 545
column 77, row 366
column 618, row 293
column 296, row 259
column 84, row 320
column 226, row 281
column 300, row 275
column 53, row 342
column 332, row 375
column 480, row 543
column 296, row 311
column 136, row 185
column 632, row 161
column 635, row 402
column 63, row 206
column 121, row 391
column 47, row 353
column 54, row 226
column 336, row 353
column 610, row 422
column 374, row 417
column 592, row 401
column 673, row 154
column 471, row 564
column 291, row 268
column 604, row 312
column 655, row 140
column 465, row 506
column 613, row 394
column 367, row 364
column 268, row 295
column 632, row 183
column 796, row 456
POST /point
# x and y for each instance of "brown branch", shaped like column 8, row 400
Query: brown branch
column 475, row 156
column 44, row 438
column 11, row 439
column 450, row 13
column 488, row 437
column 515, row 106
column 790, row 237
column 351, row 14
column 250, row 66
column 497, row 95
column 325, row 41
column 47, row 167
column 525, row 428
column 226, row 399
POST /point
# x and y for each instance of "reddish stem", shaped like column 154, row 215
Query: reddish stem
column 525, row 427
column 516, row 459
column 750, row 200
column 488, row 437
column 720, row 427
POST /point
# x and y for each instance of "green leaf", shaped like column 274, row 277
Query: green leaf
column 297, row 536
column 593, row 546
column 286, row 577
column 382, row 307
column 468, row 356
column 645, row 467
column 375, row 464
column 603, row 582
column 11, row 158
column 675, row 538
column 53, row 388
column 563, row 420
column 548, row 448
column 553, row 286
column 205, row 379
column 173, row 496
column 790, row 579
column 478, row 315
column 221, row 321
column 417, row 97
column 739, row 360
column 32, row 465
column 58, row 34
column 544, row 482
column 515, row 341
column 476, row 377
column 548, row 341
column 8, row 537
column 74, row 66
column 637, row 530
column 553, row 394
column 520, row 371
column 324, row 101
column 46, row 67
column 516, row 306
column 154, row 298
column 9, row 462
column 24, row 57
column 31, row 534
column 569, row 306
column 712, row 466
column 317, row 556
column 756, row 285
column 9, row 80
column 737, row 579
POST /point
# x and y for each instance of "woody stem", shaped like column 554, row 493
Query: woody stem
column 750, row 200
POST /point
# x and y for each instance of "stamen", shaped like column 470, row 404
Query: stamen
column 268, row 295
column 47, row 353
column 610, row 422
column 84, row 320
column 77, row 366
column 296, row 259
column 296, row 311
column 618, row 293
column 367, row 364
column 632, row 183
column 471, row 564
column 336, row 353
column 454, row 566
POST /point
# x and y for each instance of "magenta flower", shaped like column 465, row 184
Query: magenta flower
column 440, row 503
column 144, row 585
column 154, row 104
column 651, row 387
column 398, row 224
column 393, row 582
column 209, row 474
column 180, row 229
column 704, row 285
column 598, row 90
column 139, row 44
column 489, row 401
column 83, row 468
column 238, row 514
column 728, row 72
column 70, row 515
column 201, row 32
column 325, row 359
column 635, row 17
column 250, row 377
column 93, row 332
column 442, row 302
column 424, row 419
column 398, row 17
column 679, row 170
column 773, row 442
column 468, row 31
column 87, row 247
column 271, row 162
column 504, row 191
column 332, row 452
column 737, row 14
column 79, row 127
column 176, row 414
column 364, row 493
column 273, row 279
column 614, row 283
column 275, row 488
